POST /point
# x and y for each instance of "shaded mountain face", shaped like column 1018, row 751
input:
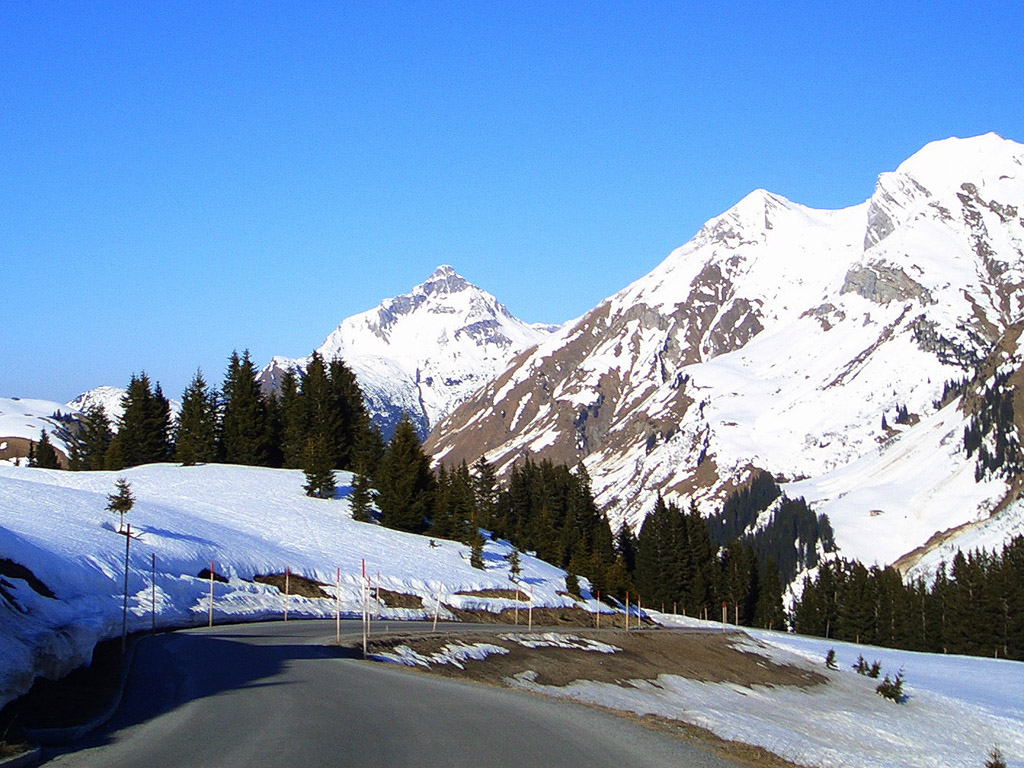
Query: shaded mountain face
column 804, row 342
column 424, row 352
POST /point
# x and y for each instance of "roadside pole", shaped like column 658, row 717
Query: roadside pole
column 210, row 622
column 531, row 607
column 124, row 616
column 627, row 611
column 152, row 582
column 287, row 577
column 639, row 610
column 597, row 610
column 437, row 606
column 517, row 605
column 337, row 611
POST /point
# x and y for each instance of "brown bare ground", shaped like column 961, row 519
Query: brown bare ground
column 399, row 599
column 545, row 617
column 504, row 594
column 297, row 585
column 704, row 656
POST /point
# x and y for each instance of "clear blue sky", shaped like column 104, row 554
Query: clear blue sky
column 178, row 180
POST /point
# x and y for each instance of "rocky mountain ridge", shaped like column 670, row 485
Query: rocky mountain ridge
column 795, row 340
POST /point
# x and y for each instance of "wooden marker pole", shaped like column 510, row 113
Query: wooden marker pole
column 517, row 605
column 627, row 611
column 531, row 606
column 597, row 609
column 210, row 622
column 337, row 611
column 152, row 583
column 437, row 607
column 287, row 589
column 725, row 614
column 124, row 616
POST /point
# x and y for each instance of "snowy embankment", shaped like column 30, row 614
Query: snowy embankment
column 248, row 521
column 957, row 709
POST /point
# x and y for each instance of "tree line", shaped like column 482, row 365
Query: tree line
column 974, row 605
column 237, row 424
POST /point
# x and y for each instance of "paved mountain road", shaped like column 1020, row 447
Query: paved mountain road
column 277, row 694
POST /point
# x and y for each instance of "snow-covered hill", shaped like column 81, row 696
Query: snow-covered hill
column 789, row 339
column 249, row 521
column 423, row 352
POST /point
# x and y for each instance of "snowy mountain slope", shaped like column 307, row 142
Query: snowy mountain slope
column 110, row 399
column 423, row 352
column 779, row 337
column 22, row 421
column 248, row 520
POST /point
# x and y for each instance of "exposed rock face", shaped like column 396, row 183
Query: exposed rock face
column 778, row 338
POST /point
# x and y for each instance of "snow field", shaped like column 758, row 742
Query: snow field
column 248, row 521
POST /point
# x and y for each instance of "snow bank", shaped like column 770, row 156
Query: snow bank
column 246, row 520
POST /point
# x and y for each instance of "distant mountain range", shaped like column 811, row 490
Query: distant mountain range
column 867, row 358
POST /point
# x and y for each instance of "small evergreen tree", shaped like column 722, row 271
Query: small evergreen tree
column 514, row 564
column 995, row 759
column 122, row 501
column 476, row 551
column 318, row 468
column 360, row 498
column 45, row 455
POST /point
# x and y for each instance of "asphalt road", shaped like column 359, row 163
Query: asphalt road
column 279, row 694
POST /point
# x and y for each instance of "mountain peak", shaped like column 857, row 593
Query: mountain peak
column 443, row 280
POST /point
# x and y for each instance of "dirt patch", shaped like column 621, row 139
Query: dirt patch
column 504, row 594
column 399, row 599
column 710, row 657
column 205, row 576
column 546, row 617
column 297, row 585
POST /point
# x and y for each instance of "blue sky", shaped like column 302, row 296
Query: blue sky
column 178, row 180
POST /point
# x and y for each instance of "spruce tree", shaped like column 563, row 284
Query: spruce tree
column 142, row 435
column 485, row 491
column 244, row 422
column 317, row 466
column 94, row 439
column 405, row 483
column 196, row 430
column 45, row 455
column 122, row 501
column 361, row 498
column 293, row 421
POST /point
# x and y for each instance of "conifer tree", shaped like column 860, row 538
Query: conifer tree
column 361, row 498
column 476, row 552
column 94, row 439
column 317, row 466
column 196, row 430
column 45, row 455
column 485, row 491
column 244, row 421
column 405, row 483
column 142, row 435
column 122, row 501
column 293, row 421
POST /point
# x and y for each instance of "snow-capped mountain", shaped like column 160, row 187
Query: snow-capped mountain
column 813, row 344
column 106, row 396
column 423, row 352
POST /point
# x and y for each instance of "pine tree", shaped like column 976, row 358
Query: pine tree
column 142, row 435
column 196, row 430
column 361, row 498
column 293, row 421
column 45, row 455
column 514, row 564
column 122, row 501
column 317, row 466
column 244, row 420
column 476, row 552
column 485, row 491
column 94, row 439
column 405, row 483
